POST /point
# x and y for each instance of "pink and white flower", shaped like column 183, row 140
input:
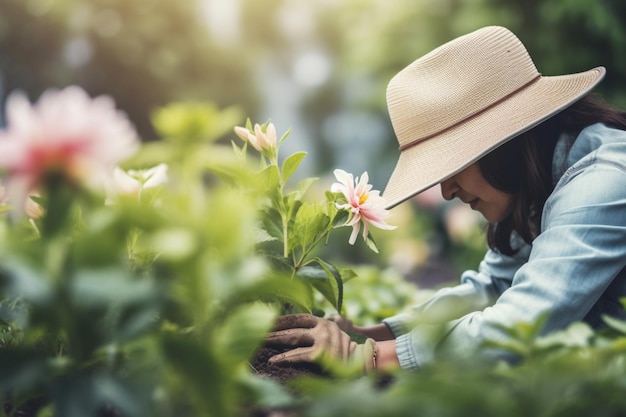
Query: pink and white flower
column 365, row 205
column 259, row 140
column 66, row 132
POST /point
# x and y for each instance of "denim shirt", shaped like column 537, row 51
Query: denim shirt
column 573, row 271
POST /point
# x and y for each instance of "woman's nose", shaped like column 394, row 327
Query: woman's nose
column 449, row 188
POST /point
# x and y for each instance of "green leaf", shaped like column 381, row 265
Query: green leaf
column 60, row 205
column 369, row 241
column 292, row 205
column 284, row 136
column 20, row 280
column 81, row 395
column 174, row 244
column 22, row 368
column 292, row 291
column 151, row 154
column 269, row 181
column 615, row 324
column 347, row 274
column 304, row 185
column 309, row 222
column 243, row 331
column 272, row 222
column 291, row 164
column 266, row 392
column 513, row 346
column 194, row 121
column 206, row 379
column 270, row 177
column 326, row 279
column 278, row 288
column 340, row 218
column 578, row 334
column 115, row 392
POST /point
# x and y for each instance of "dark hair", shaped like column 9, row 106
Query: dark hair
column 522, row 167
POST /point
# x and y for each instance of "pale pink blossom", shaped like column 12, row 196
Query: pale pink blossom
column 258, row 139
column 66, row 132
column 365, row 205
column 132, row 182
column 33, row 209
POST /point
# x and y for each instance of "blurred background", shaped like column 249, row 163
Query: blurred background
column 317, row 67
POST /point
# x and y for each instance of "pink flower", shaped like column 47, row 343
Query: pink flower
column 65, row 132
column 365, row 204
column 259, row 140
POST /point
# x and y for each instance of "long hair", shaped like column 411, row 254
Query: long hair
column 522, row 168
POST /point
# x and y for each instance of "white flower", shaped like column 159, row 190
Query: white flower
column 365, row 205
column 259, row 140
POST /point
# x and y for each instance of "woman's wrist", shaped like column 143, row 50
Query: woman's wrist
column 386, row 356
column 377, row 332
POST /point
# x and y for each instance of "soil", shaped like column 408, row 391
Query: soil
column 30, row 408
column 33, row 407
column 281, row 374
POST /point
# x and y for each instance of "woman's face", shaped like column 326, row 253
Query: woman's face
column 472, row 188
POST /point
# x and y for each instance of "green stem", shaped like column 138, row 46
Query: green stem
column 307, row 252
column 285, row 237
column 285, row 214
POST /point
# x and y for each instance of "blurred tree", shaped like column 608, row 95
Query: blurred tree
column 574, row 35
column 144, row 53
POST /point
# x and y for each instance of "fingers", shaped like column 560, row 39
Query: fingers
column 308, row 335
column 344, row 324
column 290, row 337
column 298, row 355
column 293, row 330
column 290, row 321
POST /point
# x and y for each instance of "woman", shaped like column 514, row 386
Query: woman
column 541, row 160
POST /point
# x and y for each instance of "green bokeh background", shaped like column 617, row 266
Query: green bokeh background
column 317, row 67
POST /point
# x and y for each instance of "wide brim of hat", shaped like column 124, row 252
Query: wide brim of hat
column 437, row 158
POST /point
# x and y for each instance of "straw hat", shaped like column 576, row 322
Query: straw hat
column 457, row 103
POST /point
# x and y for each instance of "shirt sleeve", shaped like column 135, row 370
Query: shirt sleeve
column 476, row 290
column 572, row 262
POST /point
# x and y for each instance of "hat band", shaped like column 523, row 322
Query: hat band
column 463, row 120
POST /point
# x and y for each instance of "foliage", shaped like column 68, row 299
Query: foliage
column 375, row 294
column 572, row 373
column 149, row 297
column 293, row 228
column 147, row 53
column 154, row 303
column 144, row 53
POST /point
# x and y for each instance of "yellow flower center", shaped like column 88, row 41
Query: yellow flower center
column 363, row 198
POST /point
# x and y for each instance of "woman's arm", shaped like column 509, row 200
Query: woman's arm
column 574, row 260
column 386, row 356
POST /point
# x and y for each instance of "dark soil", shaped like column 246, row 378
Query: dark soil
column 281, row 374
column 28, row 409
column 32, row 407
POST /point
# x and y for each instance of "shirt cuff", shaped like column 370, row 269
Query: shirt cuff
column 398, row 324
column 417, row 348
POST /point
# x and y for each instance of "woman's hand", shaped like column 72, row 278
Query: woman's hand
column 310, row 336
column 345, row 324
